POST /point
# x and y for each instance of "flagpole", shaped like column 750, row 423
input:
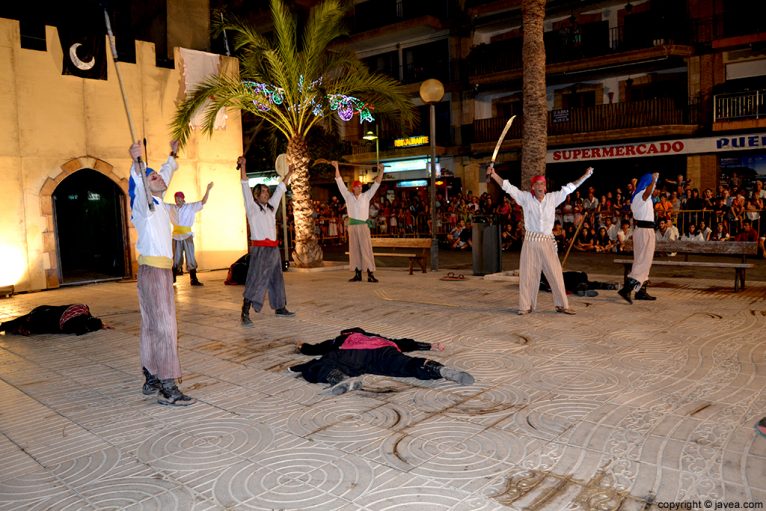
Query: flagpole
column 113, row 47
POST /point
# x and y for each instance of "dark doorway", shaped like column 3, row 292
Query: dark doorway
column 90, row 228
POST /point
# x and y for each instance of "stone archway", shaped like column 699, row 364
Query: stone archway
column 50, row 250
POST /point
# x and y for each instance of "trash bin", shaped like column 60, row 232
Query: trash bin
column 486, row 246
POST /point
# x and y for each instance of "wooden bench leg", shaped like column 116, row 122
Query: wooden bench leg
column 423, row 264
column 411, row 264
column 739, row 279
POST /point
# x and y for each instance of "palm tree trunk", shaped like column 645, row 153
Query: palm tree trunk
column 535, row 105
column 307, row 253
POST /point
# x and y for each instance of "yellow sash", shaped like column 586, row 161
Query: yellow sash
column 181, row 229
column 156, row 261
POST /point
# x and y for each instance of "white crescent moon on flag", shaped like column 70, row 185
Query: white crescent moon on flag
column 79, row 64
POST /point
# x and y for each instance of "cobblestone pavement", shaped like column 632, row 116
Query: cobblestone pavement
column 619, row 407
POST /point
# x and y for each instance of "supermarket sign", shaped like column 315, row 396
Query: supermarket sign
column 748, row 142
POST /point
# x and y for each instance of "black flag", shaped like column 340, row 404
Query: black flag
column 83, row 42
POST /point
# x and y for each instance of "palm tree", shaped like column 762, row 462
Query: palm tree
column 296, row 82
column 534, row 103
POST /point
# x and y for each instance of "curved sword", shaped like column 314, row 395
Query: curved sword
column 500, row 140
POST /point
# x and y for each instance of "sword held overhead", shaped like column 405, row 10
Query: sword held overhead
column 500, row 142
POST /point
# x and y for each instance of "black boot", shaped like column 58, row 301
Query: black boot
column 194, row 281
column 152, row 384
column 643, row 295
column 371, row 277
column 357, row 276
column 627, row 289
column 171, row 396
column 245, row 316
column 175, row 274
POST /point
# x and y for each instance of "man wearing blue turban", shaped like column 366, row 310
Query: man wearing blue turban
column 643, row 239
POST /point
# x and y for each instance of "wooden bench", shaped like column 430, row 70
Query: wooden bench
column 417, row 249
column 741, row 249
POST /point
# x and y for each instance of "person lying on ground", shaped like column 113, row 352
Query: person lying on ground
column 344, row 359
column 54, row 319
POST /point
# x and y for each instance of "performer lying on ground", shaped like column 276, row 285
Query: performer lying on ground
column 54, row 319
column 356, row 352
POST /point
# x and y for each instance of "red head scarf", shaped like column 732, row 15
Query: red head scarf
column 356, row 183
column 536, row 178
column 180, row 194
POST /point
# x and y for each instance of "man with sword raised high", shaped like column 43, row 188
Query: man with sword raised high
column 538, row 253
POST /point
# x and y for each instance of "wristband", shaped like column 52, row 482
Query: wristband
column 173, row 154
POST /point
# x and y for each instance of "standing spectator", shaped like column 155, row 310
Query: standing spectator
column 159, row 330
column 538, row 253
column 359, row 241
column 182, row 217
column 264, row 272
column 643, row 240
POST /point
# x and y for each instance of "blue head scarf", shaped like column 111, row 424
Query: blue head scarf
column 132, row 186
column 645, row 181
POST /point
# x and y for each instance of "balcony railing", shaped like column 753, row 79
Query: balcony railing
column 372, row 15
column 739, row 105
column 637, row 114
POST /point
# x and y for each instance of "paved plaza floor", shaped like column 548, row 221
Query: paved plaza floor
column 619, row 407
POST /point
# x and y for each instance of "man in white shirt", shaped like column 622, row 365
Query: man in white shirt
column 538, row 253
column 643, row 240
column 159, row 330
column 264, row 271
column 358, row 207
column 182, row 215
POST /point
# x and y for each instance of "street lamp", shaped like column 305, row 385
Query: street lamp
column 431, row 92
column 374, row 136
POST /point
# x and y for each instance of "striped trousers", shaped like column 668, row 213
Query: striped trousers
column 643, row 253
column 264, row 275
column 539, row 254
column 185, row 248
column 158, row 345
column 360, row 248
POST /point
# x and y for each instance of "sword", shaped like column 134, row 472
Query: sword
column 500, row 142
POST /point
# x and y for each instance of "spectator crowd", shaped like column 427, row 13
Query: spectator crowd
column 599, row 221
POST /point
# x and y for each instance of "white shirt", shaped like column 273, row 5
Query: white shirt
column 183, row 216
column 153, row 227
column 642, row 209
column 697, row 236
column 358, row 208
column 538, row 215
column 262, row 220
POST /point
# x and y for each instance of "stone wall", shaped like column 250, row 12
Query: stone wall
column 52, row 125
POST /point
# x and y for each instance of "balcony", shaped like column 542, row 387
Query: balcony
column 376, row 14
column 645, row 115
column 575, row 47
column 739, row 106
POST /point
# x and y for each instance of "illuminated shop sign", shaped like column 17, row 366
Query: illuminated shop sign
column 411, row 141
column 748, row 142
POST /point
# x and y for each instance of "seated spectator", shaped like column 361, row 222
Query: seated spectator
column 506, row 238
column 453, row 238
column 601, row 242
column 667, row 231
column 611, row 227
column 692, row 234
column 705, row 231
column 465, row 237
column 623, row 235
column 584, row 242
column 747, row 233
column 721, row 233
column 560, row 236
column 54, row 319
